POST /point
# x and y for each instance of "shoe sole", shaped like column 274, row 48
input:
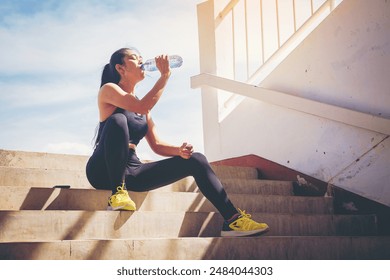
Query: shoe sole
column 110, row 208
column 234, row 233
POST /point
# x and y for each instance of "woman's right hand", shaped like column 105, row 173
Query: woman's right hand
column 186, row 150
column 162, row 63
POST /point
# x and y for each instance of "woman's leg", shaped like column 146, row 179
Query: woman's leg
column 106, row 167
column 153, row 175
column 116, row 147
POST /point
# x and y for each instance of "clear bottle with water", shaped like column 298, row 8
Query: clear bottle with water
column 175, row 61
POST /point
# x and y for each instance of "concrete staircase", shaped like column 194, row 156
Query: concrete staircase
column 38, row 221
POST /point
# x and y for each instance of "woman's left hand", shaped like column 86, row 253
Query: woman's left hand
column 162, row 63
column 186, row 150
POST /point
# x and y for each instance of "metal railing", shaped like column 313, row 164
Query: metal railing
column 327, row 111
column 269, row 30
column 232, row 91
column 289, row 17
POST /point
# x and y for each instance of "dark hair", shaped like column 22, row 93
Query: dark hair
column 110, row 75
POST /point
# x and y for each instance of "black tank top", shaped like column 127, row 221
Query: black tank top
column 137, row 124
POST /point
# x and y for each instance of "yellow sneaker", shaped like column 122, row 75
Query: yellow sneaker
column 243, row 225
column 121, row 200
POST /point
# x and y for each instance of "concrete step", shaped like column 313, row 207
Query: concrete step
column 231, row 185
column 248, row 248
column 235, row 172
column 70, row 225
column 19, row 198
column 37, row 160
column 247, row 186
column 48, row 178
column 257, row 186
column 49, row 161
column 173, row 222
column 41, row 177
column 36, row 177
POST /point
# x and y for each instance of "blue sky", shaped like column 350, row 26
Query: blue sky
column 52, row 53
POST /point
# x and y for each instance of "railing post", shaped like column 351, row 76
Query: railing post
column 208, row 64
column 332, row 4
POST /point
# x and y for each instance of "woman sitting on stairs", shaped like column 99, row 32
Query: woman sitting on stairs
column 124, row 121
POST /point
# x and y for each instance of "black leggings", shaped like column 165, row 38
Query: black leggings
column 112, row 162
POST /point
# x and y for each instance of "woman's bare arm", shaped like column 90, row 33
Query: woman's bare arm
column 113, row 95
column 162, row 148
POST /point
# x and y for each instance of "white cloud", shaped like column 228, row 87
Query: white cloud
column 83, row 38
column 51, row 61
column 21, row 95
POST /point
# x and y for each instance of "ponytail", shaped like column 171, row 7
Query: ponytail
column 110, row 75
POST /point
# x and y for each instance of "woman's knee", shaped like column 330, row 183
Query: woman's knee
column 199, row 159
column 118, row 130
column 117, row 120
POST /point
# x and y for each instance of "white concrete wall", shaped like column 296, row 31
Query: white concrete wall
column 345, row 62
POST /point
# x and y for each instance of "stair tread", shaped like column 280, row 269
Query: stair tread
column 73, row 223
column 33, row 177
column 53, row 161
column 119, row 224
column 81, row 199
column 264, row 247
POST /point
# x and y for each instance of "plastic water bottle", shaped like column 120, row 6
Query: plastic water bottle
column 174, row 62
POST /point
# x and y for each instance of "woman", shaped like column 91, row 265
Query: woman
column 124, row 121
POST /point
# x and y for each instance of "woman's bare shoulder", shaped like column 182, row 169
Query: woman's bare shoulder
column 109, row 87
column 110, row 90
column 106, row 108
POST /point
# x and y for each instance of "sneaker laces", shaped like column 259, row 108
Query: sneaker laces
column 243, row 214
column 121, row 191
column 246, row 221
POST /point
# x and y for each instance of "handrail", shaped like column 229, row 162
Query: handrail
column 269, row 58
column 293, row 41
column 266, row 68
column 225, row 12
column 229, row 8
column 316, row 108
